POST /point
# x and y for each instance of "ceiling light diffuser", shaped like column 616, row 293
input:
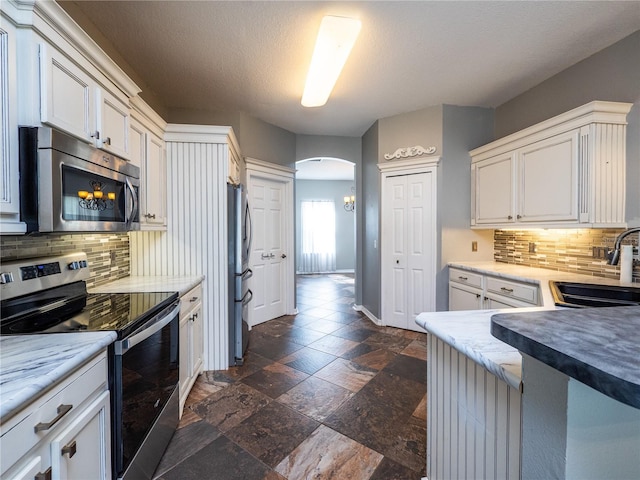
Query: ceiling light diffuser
column 336, row 38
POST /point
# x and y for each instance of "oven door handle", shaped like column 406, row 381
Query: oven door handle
column 134, row 204
column 158, row 324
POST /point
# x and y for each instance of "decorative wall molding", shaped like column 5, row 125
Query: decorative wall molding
column 410, row 152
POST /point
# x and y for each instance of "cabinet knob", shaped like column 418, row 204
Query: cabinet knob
column 397, row 262
column 96, row 135
column 46, row 475
column 69, row 449
column 107, row 141
column 518, row 217
column 478, row 295
column 510, row 217
column 283, row 255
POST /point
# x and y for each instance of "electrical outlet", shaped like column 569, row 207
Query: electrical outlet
column 112, row 254
column 599, row 253
column 474, row 246
column 532, row 247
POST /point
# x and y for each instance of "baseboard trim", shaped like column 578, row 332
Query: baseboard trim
column 369, row 315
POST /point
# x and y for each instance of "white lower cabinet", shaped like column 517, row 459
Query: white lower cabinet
column 474, row 291
column 64, row 434
column 191, row 341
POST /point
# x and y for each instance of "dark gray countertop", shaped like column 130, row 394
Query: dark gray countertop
column 600, row 347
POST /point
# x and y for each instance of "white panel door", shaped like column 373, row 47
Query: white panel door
column 408, row 248
column 269, row 249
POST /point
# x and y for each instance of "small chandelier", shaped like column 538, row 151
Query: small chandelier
column 95, row 200
column 350, row 201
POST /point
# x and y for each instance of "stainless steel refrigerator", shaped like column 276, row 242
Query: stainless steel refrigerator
column 239, row 272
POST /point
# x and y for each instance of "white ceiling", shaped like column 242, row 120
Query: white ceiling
column 324, row 169
column 253, row 56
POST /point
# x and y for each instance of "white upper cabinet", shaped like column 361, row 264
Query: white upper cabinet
column 9, row 179
column 148, row 152
column 73, row 101
column 568, row 171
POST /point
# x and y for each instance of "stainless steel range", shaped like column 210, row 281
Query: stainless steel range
column 49, row 295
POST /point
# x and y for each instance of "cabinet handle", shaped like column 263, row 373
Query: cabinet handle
column 193, row 299
column 284, row 255
column 69, row 449
column 62, row 411
column 46, row 475
column 193, row 317
column 478, row 295
column 505, row 289
column 518, row 217
column 463, row 278
column 510, row 217
column 96, row 135
column 107, row 141
column 150, row 215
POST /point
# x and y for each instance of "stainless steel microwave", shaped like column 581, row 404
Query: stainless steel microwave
column 67, row 185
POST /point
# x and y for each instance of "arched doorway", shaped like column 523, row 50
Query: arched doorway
column 325, row 222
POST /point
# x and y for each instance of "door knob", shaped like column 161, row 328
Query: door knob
column 398, row 262
column 283, row 255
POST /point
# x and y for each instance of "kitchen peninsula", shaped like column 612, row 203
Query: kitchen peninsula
column 482, row 392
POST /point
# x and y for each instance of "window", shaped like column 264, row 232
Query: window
column 318, row 225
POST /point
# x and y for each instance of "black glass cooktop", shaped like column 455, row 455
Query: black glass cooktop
column 71, row 309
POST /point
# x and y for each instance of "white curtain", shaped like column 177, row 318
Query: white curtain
column 318, row 224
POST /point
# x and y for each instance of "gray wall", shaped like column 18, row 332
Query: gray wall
column 345, row 221
column 312, row 146
column 370, row 211
column 612, row 74
column 422, row 127
column 463, row 129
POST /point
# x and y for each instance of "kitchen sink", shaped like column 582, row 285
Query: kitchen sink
column 581, row 295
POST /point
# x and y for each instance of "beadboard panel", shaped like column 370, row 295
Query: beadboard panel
column 195, row 240
column 473, row 427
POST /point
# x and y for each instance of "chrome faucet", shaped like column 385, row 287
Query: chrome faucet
column 614, row 255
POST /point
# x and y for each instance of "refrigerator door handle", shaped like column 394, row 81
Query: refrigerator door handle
column 248, row 273
column 246, row 300
column 248, row 225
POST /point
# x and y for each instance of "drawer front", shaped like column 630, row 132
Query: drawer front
column 465, row 277
column 52, row 411
column 520, row 291
column 190, row 300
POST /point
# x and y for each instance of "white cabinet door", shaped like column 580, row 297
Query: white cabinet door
column 408, row 248
column 137, row 142
column 83, row 450
column 154, row 175
column 67, row 97
column 9, row 175
column 183, row 374
column 494, row 190
column 112, row 124
column 197, row 341
column 461, row 298
column 548, row 180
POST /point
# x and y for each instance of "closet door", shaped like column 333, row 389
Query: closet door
column 408, row 243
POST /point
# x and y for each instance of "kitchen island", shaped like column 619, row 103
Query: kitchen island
column 581, row 401
column 477, row 383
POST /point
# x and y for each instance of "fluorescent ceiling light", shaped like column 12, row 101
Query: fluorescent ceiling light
column 333, row 45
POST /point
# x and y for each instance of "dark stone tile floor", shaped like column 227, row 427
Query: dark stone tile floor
column 325, row 394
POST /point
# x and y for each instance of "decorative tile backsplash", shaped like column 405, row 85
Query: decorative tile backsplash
column 107, row 253
column 561, row 250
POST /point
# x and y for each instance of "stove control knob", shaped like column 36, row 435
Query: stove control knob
column 6, row 277
column 74, row 265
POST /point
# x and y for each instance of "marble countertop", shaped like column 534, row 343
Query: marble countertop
column 470, row 331
column 150, row 284
column 599, row 347
column 32, row 364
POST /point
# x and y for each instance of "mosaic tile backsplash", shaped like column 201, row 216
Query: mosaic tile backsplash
column 107, row 253
column 561, row 250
